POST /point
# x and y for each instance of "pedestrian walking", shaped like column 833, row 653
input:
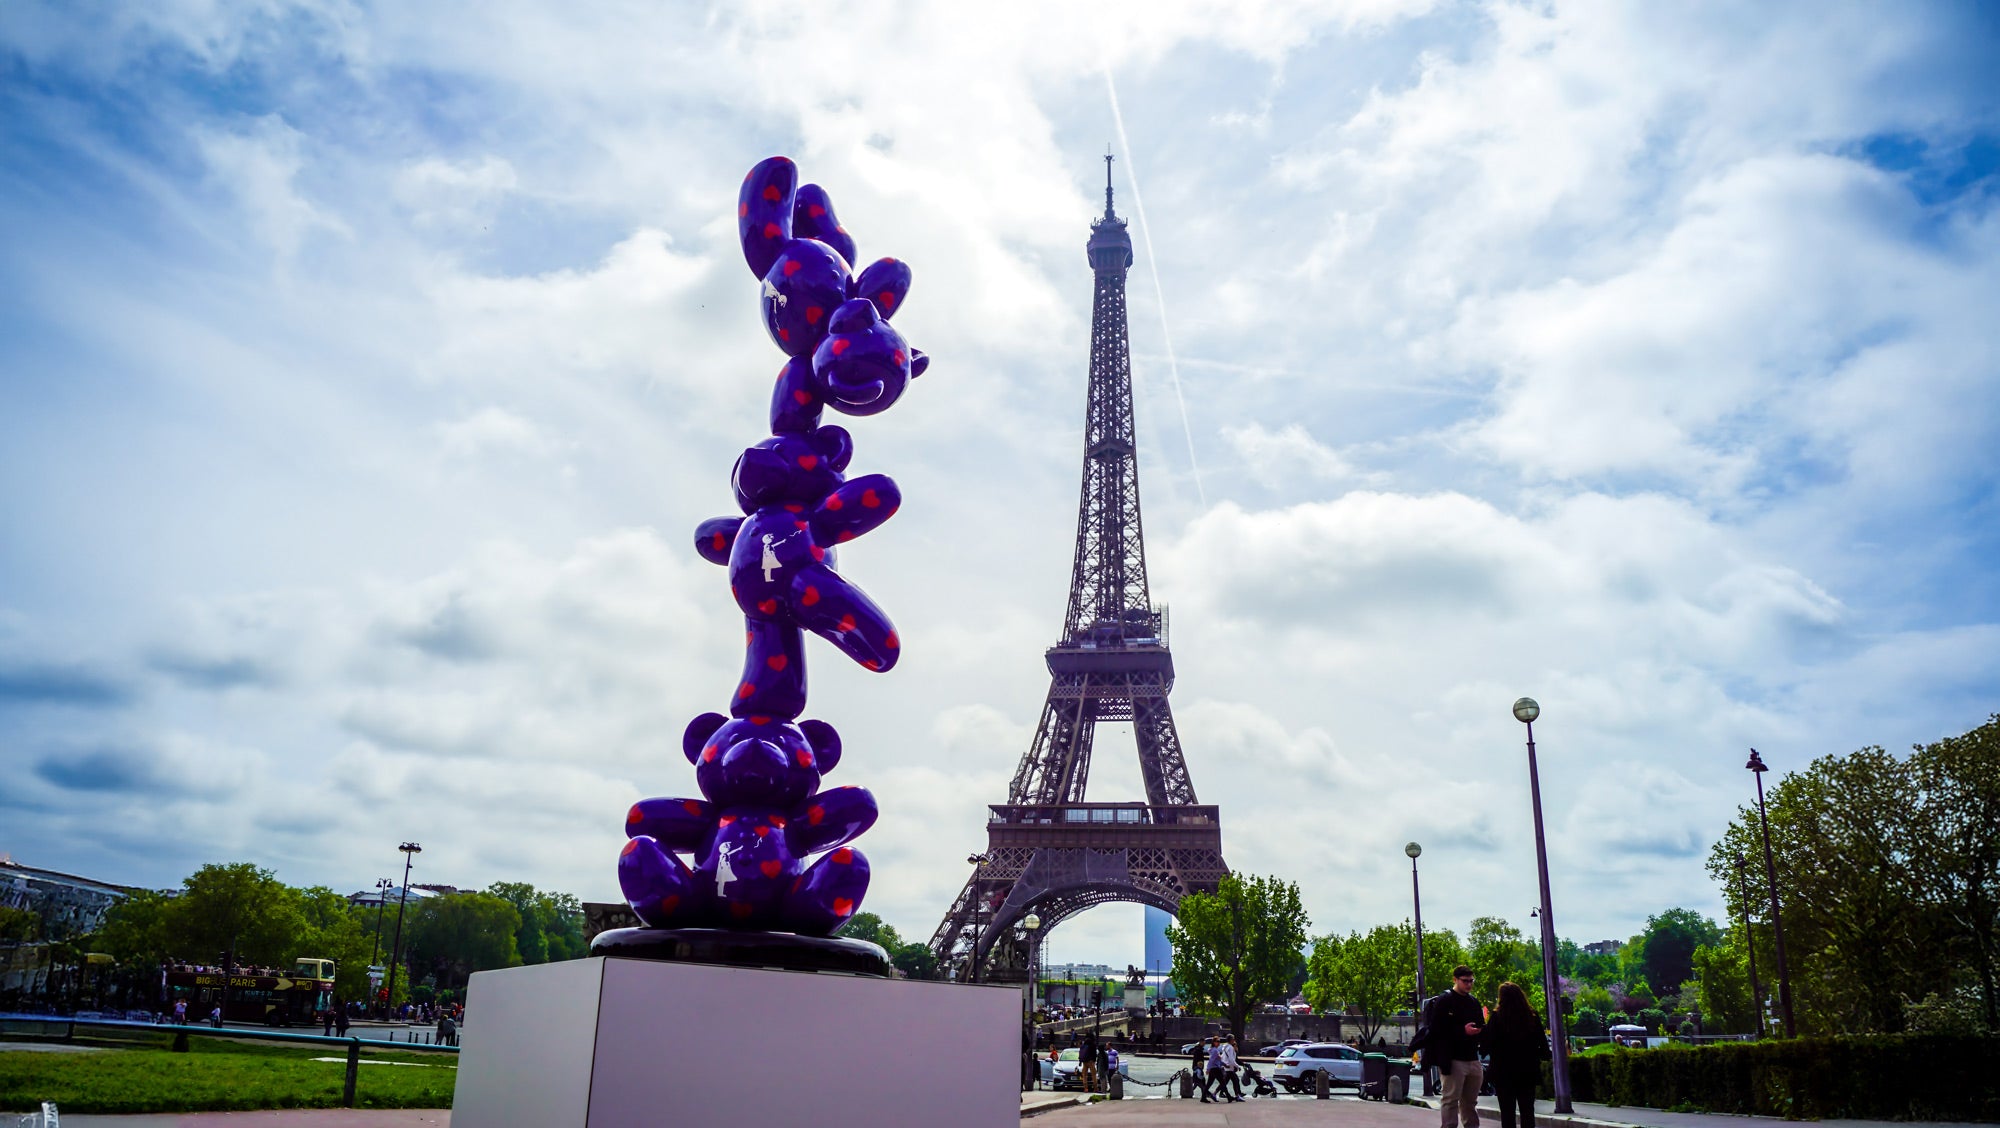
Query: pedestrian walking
column 1198, row 1067
column 180, row 1012
column 1452, row 1024
column 1218, row 1074
column 340, row 1022
column 1229, row 1064
column 215, row 1017
column 1516, row 1046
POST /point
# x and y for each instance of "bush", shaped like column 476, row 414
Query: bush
column 1586, row 1021
column 1863, row 1077
column 1652, row 1018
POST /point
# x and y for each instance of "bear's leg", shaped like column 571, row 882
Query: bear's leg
column 827, row 893
column 774, row 671
column 657, row 885
column 842, row 614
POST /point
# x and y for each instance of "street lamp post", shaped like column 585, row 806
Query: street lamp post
column 382, row 887
column 1757, row 768
column 1417, row 905
column 410, row 851
column 978, row 923
column 1033, row 924
column 1750, row 945
column 1525, row 711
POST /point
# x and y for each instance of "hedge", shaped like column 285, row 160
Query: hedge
column 1861, row 1077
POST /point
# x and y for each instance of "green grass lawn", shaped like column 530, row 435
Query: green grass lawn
column 141, row 1074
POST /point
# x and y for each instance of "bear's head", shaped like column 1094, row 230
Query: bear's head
column 797, row 468
column 759, row 761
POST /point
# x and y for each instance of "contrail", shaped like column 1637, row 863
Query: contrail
column 1159, row 293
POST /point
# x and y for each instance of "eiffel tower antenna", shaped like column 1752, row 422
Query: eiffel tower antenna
column 1048, row 850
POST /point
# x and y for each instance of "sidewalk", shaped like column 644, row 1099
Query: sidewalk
column 1621, row 1116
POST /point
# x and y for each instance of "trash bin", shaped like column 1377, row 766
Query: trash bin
column 1398, row 1085
column 1375, row 1076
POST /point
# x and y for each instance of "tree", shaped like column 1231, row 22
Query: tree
column 1368, row 976
column 871, row 928
column 332, row 929
column 237, row 909
column 19, row 926
column 1722, row 986
column 1498, row 953
column 460, row 933
column 1957, row 781
column 1666, row 948
column 1861, row 933
column 550, row 922
column 1236, row 947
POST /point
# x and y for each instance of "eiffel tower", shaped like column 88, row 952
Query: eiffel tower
column 1048, row 850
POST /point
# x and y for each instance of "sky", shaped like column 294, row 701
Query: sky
column 364, row 371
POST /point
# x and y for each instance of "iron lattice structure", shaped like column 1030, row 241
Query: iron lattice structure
column 1048, row 850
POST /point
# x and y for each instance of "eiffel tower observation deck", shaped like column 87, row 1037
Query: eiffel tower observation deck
column 1049, row 850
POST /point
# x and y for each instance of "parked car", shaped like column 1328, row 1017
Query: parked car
column 1061, row 1073
column 1281, row 1047
column 1297, row 1065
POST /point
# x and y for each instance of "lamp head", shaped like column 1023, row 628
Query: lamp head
column 1413, row 850
column 410, row 848
column 1031, row 922
column 1526, row 710
column 1756, row 763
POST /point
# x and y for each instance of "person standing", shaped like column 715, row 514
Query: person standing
column 1086, row 1063
column 180, row 1012
column 447, row 1031
column 1106, row 1058
column 326, row 1017
column 1453, row 1022
column 1517, row 1046
column 340, row 1022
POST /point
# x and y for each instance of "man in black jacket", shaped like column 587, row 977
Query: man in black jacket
column 1452, row 1024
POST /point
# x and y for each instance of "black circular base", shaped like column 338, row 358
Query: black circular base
column 785, row 951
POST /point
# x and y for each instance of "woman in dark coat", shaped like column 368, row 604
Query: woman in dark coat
column 1517, row 1046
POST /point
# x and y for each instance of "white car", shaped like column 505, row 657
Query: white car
column 1297, row 1065
column 1061, row 1073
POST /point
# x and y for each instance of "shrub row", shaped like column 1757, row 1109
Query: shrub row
column 1862, row 1077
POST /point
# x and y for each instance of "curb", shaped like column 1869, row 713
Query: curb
column 1051, row 1105
column 1540, row 1117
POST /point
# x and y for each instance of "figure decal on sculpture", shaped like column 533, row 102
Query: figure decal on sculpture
column 763, row 815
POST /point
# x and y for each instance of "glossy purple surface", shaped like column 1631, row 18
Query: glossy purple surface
column 765, row 847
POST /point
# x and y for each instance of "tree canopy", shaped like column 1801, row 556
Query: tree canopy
column 1237, row 947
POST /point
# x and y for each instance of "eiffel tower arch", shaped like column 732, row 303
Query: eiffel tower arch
column 1049, row 851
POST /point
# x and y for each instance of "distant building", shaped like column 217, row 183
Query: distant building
column 1604, row 948
column 68, row 905
column 369, row 898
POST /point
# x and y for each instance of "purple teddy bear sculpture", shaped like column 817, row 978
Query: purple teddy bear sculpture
column 763, row 814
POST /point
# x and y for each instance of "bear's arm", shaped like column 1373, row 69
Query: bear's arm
column 857, row 507
column 834, row 816
column 685, row 825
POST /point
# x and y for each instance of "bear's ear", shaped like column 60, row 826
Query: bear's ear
column 835, row 444
column 764, row 212
column 884, row 283
column 813, row 218
column 918, row 362
column 698, row 732
column 825, row 744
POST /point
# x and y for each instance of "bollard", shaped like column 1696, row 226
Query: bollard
column 353, row 1071
column 1321, row 1087
column 1116, row 1083
column 1187, row 1085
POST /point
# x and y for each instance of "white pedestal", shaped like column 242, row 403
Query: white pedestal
column 610, row 1043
